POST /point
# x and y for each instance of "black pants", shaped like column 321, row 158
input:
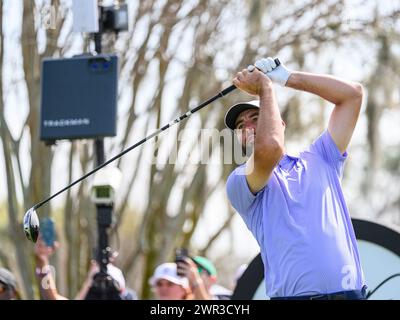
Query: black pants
column 342, row 295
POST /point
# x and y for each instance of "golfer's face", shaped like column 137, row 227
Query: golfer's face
column 246, row 125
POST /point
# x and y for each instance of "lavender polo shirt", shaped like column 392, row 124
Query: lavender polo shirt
column 301, row 223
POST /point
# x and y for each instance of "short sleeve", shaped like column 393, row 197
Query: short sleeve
column 326, row 148
column 238, row 191
column 245, row 202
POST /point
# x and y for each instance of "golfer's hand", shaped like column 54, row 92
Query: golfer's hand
column 278, row 74
column 252, row 82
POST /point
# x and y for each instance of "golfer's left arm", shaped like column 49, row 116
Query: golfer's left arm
column 346, row 95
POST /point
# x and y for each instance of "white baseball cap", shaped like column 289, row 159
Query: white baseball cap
column 117, row 275
column 168, row 271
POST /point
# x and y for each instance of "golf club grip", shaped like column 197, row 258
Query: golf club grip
column 227, row 90
column 233, row 87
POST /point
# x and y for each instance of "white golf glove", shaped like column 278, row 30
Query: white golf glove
column 278, row 74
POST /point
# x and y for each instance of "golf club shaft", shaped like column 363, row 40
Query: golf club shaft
column 157, row 132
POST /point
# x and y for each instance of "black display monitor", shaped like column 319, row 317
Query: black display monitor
column 79, row 97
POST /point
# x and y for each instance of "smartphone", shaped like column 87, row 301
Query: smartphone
column 47, row 231
column 180, row 255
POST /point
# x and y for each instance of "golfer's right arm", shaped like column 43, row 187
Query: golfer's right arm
column 269, row 139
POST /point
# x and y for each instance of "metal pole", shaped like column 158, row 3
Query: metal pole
column 103, row 212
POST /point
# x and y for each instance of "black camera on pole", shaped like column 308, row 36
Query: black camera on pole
column 90, row 17
column 104, row 186
column 114, row 18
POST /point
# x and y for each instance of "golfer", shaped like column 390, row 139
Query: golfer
column 295, row 206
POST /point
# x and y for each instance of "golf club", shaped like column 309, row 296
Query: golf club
column 31, row 220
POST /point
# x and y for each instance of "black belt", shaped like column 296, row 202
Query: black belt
column 343, row 295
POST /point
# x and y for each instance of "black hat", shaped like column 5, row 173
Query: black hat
column 236, row 109
column 7, row 278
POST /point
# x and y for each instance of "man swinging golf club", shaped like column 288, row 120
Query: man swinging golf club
column 294, row 206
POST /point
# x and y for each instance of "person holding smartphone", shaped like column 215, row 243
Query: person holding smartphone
column 202, row 277
column 167, row 284
column 45, row 273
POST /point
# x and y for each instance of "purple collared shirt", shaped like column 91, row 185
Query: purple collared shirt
column 301, row 223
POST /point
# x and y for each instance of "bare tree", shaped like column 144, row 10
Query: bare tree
column 170, row 60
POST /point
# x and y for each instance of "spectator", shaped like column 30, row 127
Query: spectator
column 45, row 276
column 208, row 272
column 8, row 285
column 202, row 276
column 167, row 285
column 115, row 273
column 45, row 272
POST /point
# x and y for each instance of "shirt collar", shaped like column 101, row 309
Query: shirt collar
column 286, row 163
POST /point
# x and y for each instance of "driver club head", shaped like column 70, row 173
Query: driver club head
column 31, row 225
